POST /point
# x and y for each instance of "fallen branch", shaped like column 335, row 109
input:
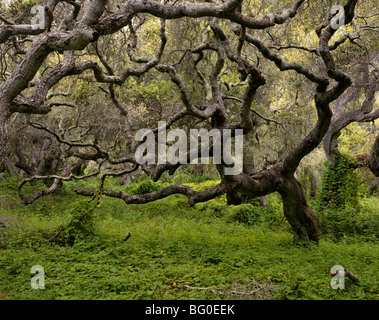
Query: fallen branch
column 126, row 237
column 55, row 235
column 349, row 274
column 252, row 289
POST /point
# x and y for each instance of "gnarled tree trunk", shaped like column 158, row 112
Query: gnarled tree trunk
column 297, row 211
column 374, row 158
column 95, row 21
column 5, row 164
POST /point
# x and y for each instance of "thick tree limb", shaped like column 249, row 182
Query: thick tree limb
column 193, row 196
column 365, row 113
column 121, row 18
column 43, row 192
column 323, row 97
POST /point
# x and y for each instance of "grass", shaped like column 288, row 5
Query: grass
column 210, row 251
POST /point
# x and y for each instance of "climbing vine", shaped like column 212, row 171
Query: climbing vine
column 339, row 183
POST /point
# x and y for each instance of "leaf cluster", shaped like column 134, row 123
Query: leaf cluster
column 339, row 183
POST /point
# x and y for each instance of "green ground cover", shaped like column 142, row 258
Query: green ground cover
column 209, row 251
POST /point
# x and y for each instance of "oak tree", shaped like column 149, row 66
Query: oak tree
column 217, row 57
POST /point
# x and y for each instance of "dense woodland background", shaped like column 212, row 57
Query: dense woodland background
column 73, row 199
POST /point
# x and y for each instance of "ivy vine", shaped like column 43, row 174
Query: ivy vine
column 339, row 183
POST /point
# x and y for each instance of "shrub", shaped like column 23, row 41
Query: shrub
column 80, row 223
column 253, row 214
column 339, row 224
column 248, row 214
column 339, row 184
column 145, row 186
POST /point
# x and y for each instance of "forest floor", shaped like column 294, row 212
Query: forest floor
column 209, row 251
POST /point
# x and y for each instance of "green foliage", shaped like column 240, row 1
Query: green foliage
column 80, row 223
column 145, row 186
column 182, row 176
column 361, row 223
column 352, row 138
column 10, row 184
column 248, row 214
column 172, row 245
column 155, row 89
column 83, row 91
column 211, row 244
column 255, row 215
column 17, row 7
column 339, row 183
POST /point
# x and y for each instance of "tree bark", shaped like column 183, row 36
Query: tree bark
column 3, row 136
column 374, row 158
column 330, row 85
column 374, row 185
column 297, row 211
column 5, row 164
column 365, row 81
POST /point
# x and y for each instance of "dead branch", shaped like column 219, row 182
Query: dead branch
column 252, row 290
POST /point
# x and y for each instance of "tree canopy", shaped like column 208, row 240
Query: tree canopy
column 80, row 78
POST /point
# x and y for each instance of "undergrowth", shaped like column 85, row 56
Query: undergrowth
column 209, row 251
